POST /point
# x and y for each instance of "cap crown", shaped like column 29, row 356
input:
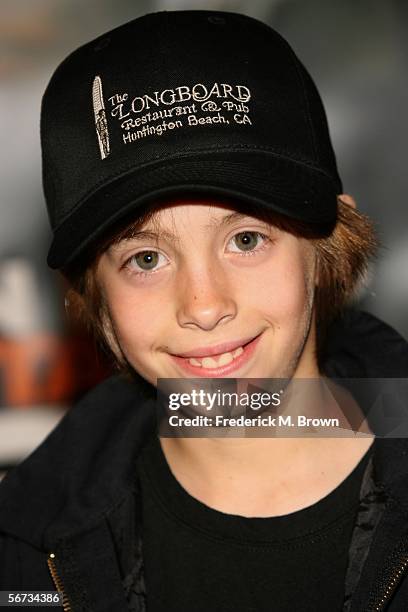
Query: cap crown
column 175, row 83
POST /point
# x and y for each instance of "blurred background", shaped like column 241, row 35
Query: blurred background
column 356, row 51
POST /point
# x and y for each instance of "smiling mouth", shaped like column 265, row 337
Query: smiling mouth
column 216, row 361
column 220, row 360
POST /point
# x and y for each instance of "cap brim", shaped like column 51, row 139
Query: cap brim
column 294, row 189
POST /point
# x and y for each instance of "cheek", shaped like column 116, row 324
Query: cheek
column 137, row 317
column 284, row 295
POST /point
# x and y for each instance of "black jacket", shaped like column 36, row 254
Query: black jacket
column 77, row 496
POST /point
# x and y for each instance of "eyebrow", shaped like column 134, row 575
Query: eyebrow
column 226, row 220
column 140, row 235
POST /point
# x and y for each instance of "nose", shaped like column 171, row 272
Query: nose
column 205, row 300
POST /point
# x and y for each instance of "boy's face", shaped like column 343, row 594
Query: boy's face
column 219, row 279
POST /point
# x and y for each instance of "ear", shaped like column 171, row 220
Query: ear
column 347, row 199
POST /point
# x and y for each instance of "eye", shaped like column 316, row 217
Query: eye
column 248, row 241
column 144, row 262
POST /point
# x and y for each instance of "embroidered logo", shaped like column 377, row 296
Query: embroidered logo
column 158, row 112
column 101, row 123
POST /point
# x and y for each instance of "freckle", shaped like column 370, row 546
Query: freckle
column 195, row 297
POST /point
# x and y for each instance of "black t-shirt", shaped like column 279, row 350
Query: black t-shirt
column 198, row 559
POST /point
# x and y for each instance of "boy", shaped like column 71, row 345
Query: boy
column 199, row 216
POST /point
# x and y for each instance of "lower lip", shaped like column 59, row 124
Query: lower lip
column 234, row 365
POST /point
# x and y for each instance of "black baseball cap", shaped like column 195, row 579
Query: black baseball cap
column 182, row 102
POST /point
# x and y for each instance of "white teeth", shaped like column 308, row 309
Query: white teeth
column 194, row 361
column 209, row 362
column 221, row 360
column 225, row 358
column 237, row 351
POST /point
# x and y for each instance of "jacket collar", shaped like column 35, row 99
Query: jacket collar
column 88, row 462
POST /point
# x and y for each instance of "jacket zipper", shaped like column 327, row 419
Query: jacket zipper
column 58, row 583
column 379, row 603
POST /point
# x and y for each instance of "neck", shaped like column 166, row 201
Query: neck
column 277, row 474
column 262, row 477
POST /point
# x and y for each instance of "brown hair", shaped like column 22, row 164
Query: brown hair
column 343, row 253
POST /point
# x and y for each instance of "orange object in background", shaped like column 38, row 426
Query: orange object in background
column 46, row 368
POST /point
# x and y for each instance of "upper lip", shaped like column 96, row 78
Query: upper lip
column 207, row 351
